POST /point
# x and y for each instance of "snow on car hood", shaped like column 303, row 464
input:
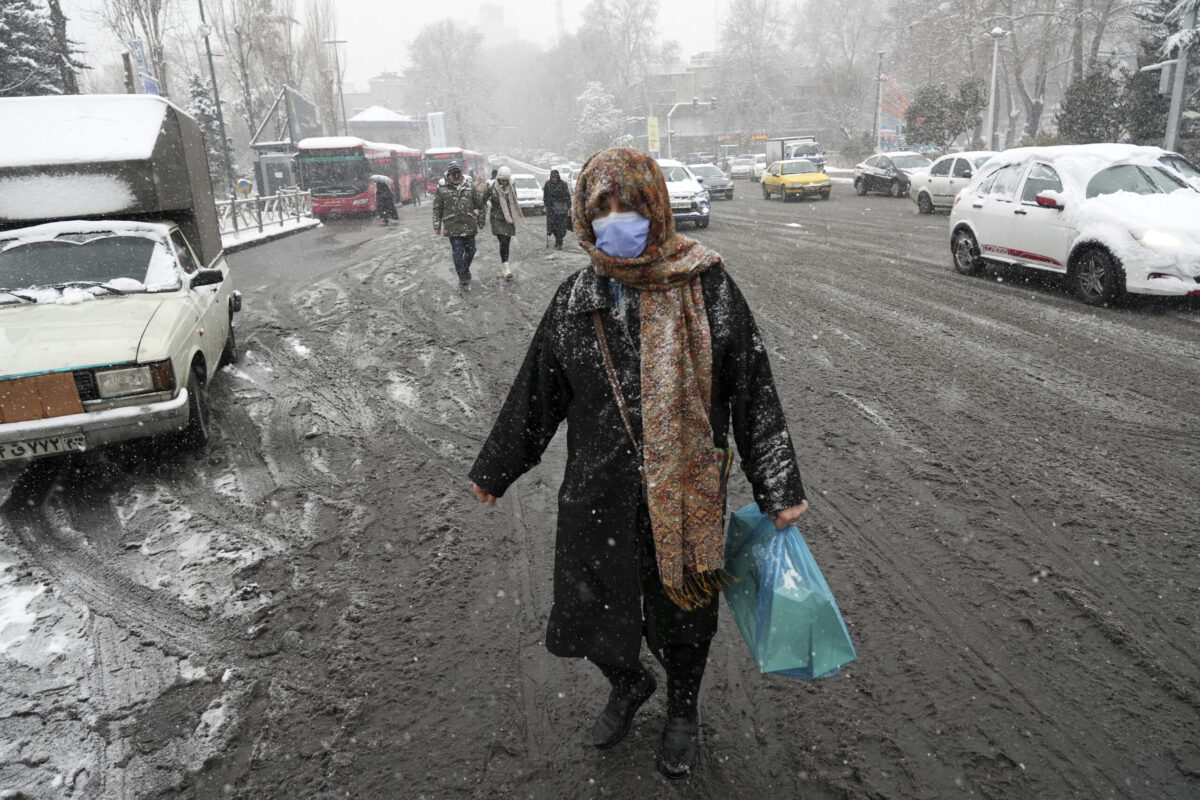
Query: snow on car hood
column 37, row 338
column 1122, row 221
column 683, row 188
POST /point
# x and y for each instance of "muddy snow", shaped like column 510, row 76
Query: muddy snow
column 1004, row 502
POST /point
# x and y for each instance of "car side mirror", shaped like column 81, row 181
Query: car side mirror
column 1045, row 201
column 968, row 174
column 207, row 277
column 699, row 179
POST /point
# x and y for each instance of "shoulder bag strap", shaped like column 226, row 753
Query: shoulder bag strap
column 598, row 321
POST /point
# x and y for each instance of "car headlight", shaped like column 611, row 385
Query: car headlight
column 362, row 201
column 1161, row 240
column 144, row 378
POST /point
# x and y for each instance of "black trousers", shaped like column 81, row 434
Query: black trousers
column 505, row 241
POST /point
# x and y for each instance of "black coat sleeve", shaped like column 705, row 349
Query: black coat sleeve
column 536, row 404
column 759, row 427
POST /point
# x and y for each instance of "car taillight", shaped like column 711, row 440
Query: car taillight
column 162, row 375
column 956, row 199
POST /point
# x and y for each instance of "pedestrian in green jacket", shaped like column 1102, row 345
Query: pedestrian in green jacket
column 458, row 214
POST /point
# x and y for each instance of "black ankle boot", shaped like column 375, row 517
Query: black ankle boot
column 614, row 721
column 680, row 744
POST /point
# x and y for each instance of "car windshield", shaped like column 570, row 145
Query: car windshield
column 1138, row 179
column 141, row 261
column 526, row 183
column 743, row 161
column 1181, row 165
column 979, row 161
column 676, row 174
column 806, row 150
column 799, row 167
column 707, row 171
column 911, row 161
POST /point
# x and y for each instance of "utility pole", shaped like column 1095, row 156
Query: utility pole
column 878, row 102
column 212, row 72
column 1177, row 91
column 337, row 65
column 996, row 34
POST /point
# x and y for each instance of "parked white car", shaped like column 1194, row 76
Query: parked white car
column 1109, row 217
column 689, row 199
column 114, row 332
column 937, row 186
column 529, row 193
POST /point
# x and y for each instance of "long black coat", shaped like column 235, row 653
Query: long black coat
column 556, row 197
column 597, row 610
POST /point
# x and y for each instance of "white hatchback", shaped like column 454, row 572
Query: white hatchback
column 1109, row 217
column 937, row 186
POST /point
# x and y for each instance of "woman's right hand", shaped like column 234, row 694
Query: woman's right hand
column 483, row 496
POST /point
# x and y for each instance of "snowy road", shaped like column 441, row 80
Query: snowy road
column 1004, row 500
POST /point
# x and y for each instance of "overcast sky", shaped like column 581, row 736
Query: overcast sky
column 378, row 31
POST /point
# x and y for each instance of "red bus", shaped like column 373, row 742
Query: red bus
column 337, row 171
column 436, row 159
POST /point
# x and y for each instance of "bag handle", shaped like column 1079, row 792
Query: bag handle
column 619, row 396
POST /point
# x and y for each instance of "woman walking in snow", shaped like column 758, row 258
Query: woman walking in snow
column 650, row 353
column 505, row 215
column 556, row 199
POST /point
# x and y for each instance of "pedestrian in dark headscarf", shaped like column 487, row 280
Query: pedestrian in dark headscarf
column 556, row 198
column 650, row 353
column 505, row 215
column 385, row 202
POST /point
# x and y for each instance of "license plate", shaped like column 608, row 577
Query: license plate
column 45, row 446
column 686, row 207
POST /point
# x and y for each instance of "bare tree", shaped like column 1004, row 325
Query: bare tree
column 145, row 20
column 445, row 75
column 315, row 66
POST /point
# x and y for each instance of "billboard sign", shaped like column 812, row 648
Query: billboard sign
column 304, row 120
column 437, row 128
column 652, row 144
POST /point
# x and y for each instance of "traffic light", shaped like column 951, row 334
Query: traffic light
column 695, row 104
column 712, row 103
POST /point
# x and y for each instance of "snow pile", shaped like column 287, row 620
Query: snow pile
column 16, row 620
column 50, row 196
column 85, row 129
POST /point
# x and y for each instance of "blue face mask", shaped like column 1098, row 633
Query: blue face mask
column 622, row 234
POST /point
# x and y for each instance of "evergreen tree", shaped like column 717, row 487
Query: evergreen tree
column 1091, row 109
column 28, row 64
column 202, row 106
column 1144, row 110
column 938, row 118
column 599, row 122
column 66, row 49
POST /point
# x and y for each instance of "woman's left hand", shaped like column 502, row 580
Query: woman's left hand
column 788, row 516
column 482, row 496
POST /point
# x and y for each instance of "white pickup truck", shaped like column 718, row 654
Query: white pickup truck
column 116, row 304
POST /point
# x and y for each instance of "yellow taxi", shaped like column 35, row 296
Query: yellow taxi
column 795, row 178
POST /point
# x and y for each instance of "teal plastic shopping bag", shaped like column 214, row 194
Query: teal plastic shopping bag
column 781, row 602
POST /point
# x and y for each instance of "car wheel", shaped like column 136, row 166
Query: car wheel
column 896, row 189
column 966, row 253
column 924, row 204
column 860, row 187
column 196, row 434
column 766, row 192
column 702, row 223
column 229, row 353
column 1098, row 277
column 825, row 194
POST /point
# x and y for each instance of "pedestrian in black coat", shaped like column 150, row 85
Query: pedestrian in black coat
column 385, row 202
column 556, row 199
column 619, row 570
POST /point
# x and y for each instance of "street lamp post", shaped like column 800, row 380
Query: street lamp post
column 338, row 67
column 1177, row 89
column 212, row 73
column 878, row 132
column 995, row 34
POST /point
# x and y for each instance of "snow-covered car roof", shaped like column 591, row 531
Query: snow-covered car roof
column 516, row 175
column 669, row 162
column 895, row 153
column 82, row 129
column 970, row 155
column 1082, row 158
column 51, row 230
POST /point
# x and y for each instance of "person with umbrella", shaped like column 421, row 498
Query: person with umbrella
column 385, row 199
column 556, row 198
column 653, row 358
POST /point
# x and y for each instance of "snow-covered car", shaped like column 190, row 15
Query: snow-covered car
column 937, row 186
column 759, row 166
column 689, row 199
column 742, row 167
column 1185, row 168
column 1109, row 217
column 116, row 315
column 114, row 333
column 889, row 173
column 715, row 181
column 529, row 193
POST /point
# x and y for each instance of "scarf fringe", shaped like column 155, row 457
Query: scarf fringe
column 699, row 590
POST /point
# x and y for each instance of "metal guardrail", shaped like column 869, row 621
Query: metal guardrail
column 258, row 213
